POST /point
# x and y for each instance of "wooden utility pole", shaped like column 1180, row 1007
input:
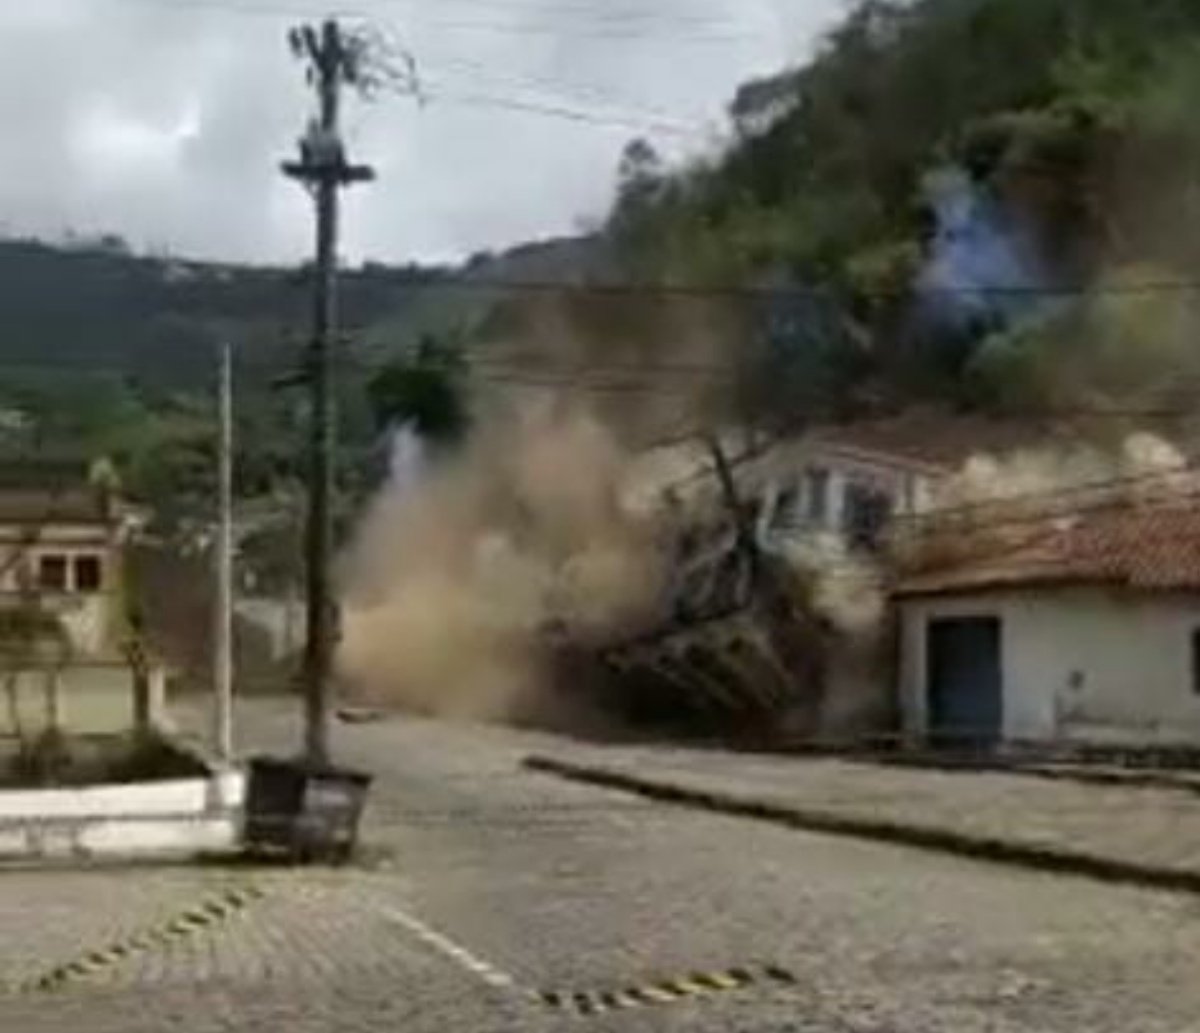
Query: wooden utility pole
column 322, row 168
column 223, row 610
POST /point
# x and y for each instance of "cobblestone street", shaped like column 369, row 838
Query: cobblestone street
column 493, row 898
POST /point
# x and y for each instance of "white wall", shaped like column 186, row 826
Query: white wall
column 1082, row 663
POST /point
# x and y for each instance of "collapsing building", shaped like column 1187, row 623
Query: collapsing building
column 780, row 623
column 776, row 626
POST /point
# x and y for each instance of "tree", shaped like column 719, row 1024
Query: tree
column 425, row 390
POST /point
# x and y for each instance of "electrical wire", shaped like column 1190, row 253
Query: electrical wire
column 586, row 93
column 370, row 9
column 595, row 13
column 600, row 33
column 251, row 8
column 534, row 363
column 1189, row 468
column 767, row 293
column 562, row 111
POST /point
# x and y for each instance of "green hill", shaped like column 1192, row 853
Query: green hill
column 955, row 197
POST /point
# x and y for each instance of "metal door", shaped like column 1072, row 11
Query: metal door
column 963, row 660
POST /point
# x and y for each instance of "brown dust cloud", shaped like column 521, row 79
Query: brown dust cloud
column 455, row 583
column 465, row 572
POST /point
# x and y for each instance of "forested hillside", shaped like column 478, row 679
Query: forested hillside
column 107, row 352
column 990, row 201
column 994, row 203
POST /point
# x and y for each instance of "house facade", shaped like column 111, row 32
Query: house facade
column 1082, row 623
column 850, row 481
column 62, row 541
column 1088, row 631
column 826, row 486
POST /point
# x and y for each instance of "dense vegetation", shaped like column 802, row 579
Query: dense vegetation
column 986, row 202
column 930, row 191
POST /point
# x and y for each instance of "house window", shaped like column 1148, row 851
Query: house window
column 1196, row 661
column 52, row 573
column 867, row 512
column 88, row 574
column 817, row 490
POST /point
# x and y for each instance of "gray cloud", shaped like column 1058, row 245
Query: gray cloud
column 165, row 123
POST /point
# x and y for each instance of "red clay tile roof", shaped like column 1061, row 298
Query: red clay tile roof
column 1153, row 547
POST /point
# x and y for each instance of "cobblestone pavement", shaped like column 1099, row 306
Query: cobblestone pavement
column 482, row 884
column 1150, row 825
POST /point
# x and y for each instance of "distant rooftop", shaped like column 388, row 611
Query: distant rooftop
column 35, row 506
column 44, row 472
column 53, row 489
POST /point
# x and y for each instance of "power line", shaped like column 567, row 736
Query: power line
column 593, row 14
column 599, row 34
column 596, row 12
column 645, row 120
column 564, row 112
column 632, row 378
column 518, row 362
column 612, row 30
column 569, row 90
column 1101, row 486
column 791, row 428
column 533, row 362
column 751, row 291
column 886, row 573
column 253, row 8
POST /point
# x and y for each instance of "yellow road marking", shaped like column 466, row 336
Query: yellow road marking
column 722, row 981
column 688, row 987
column 203, row 916
column 667, row 991
column 661, row 995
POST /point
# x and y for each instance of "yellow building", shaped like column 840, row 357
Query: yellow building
column 63, row 532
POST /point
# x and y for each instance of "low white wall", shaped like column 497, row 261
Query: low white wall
column 1079, row 662
column 145, row 799
column 162, row 837
column 177, row 818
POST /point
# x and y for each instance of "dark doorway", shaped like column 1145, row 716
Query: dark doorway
column 965, row 704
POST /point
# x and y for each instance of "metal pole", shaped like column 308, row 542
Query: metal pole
column 318, row 653
column 223, row 614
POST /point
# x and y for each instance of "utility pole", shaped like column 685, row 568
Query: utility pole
column 223, row 610
column 322, row 168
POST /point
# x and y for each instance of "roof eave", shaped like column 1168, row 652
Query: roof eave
column 994, row 585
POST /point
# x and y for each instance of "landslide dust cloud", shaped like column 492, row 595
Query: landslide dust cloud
column 463, row 575
column 997, row 502
column 454, row 582
column 1141, row 465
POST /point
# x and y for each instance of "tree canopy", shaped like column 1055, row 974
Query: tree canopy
column 1070, row 129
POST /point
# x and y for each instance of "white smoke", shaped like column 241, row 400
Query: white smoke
column 406, row 458
column 982, row 260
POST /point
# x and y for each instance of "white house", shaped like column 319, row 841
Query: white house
column 1087, row 629
column 852, row 479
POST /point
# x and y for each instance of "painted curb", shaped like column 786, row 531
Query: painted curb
column 662, row 991
column 213, row 910
column 940, row 840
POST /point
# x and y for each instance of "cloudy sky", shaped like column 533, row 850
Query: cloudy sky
column 164, row 120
